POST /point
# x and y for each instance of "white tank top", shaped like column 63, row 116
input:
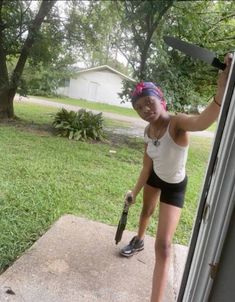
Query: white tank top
column 169, row 159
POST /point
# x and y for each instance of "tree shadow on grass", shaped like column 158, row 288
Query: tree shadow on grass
column 29, row 126
column 46, row 129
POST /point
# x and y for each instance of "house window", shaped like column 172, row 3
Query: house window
column 64, row 83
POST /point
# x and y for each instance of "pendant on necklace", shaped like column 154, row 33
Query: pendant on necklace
column 156, row 142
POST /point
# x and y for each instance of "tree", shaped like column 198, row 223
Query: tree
column 96, row 25
column 209, row 24
column 185, row 82
column 141, row 20
column 19, row 30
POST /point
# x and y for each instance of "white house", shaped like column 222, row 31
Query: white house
column 98, row 84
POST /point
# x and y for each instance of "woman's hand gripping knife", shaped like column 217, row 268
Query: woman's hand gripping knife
column 222, row 79
column 211, row 112
column 129, row 198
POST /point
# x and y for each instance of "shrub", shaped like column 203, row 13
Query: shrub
column 81, row 125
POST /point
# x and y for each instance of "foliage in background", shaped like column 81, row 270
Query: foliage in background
column 97, row 32
column 19, row 29
column 81, row 125
column 44, row 80
column 140, row 20
column 209, row 24
column 98, row 23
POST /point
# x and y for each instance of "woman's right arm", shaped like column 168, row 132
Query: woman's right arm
column 143, row 177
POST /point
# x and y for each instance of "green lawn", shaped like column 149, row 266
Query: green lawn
column 44, row 177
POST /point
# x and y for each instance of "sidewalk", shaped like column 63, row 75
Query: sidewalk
column 77, row 261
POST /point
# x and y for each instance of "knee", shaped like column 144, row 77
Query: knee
column 147, row 211
column 162, row 249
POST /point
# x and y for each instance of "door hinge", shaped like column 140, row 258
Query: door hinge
column 215, row 165
column 213, row 269
column 206, row 212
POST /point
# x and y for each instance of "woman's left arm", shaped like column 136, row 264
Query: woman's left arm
column 210, row 114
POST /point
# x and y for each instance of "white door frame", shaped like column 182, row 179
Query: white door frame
column 215, row 208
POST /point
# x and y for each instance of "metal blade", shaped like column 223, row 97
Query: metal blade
column 121, row 227
column 194, row 51
column 123, row 220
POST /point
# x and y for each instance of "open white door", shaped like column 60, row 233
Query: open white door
column 210, row 242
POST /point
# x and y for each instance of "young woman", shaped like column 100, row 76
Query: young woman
column 163, row 177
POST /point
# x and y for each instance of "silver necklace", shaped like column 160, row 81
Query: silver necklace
column 156, row 142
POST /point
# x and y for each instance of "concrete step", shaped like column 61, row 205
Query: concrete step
column 77, row 261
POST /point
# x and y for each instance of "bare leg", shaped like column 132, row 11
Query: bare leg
column 168, row 220
column 150, row 197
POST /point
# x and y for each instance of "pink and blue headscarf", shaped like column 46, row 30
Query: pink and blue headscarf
column 147, row 89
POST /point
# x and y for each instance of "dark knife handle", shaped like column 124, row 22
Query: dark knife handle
column 127, row 204
column 129, row 199
column 218, row 64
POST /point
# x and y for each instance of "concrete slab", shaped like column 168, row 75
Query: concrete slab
column 78, row 261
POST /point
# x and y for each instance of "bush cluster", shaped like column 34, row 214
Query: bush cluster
column 81, row 125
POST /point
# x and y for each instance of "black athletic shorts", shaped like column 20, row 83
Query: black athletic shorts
column 171, row 193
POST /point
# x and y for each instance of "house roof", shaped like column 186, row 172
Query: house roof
column 103, row 67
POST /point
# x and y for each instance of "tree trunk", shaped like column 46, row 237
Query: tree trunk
column 5, row 112
column 8, row 87
column 6, row 105
column 143, row 58
column 152, row 26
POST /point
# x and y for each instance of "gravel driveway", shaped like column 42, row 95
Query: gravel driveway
column 135, row 128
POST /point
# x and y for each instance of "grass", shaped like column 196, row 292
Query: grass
column 43, row 177
column 213, row 127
